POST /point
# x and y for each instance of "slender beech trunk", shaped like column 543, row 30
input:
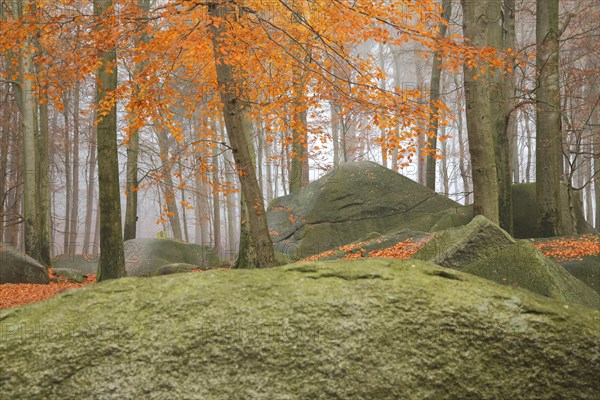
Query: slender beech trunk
column 335, row 131
column 477, row 27
column 91, row 186
column 238, row 137
column 168, row 185
column 26, row 103
column 133, row 148
column 548, row 130
column 215, row 193
column 5, row 132
column 462, row 152
column 112, row 257
column 434, row 97
column 43, row 187
column 68, row 171
column 502, row 89
column 75, row 177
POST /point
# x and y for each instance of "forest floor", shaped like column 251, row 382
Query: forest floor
column 560, row 249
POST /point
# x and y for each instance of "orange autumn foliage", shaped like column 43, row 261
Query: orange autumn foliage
column 13, row 295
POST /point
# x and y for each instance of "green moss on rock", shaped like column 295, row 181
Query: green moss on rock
column 484, row 249
column 145, row 257
column 366, row 329
column 349, row 203
column 17, row 267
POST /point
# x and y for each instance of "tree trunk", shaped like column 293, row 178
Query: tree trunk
column 335, row 131
column 462, row 152
column 502, row 108
column 75, row 191
column 168, row 185
column 548, row 135
column 477, row 27
column 215, row 194
column 26, row 102
column 131, row 205
column 91, row 185
column 510, row 43
column 434, row 96
column 68, row 171
column 43, row 198
column 112, row 258
column 234, row 121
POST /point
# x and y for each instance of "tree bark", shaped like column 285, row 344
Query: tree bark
column 477, row 27
column 91, row 185
column 434, row 96
column 26, row 102
column 168, row 185
column 234, row 121
column 131, row 205
column 43, row 198
column 75, row 191
column 548, row 131
column 112, row 257
column 68, row 171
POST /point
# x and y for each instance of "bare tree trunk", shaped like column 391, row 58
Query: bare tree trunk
column 231, row 208
column 215, row 193
column 510, row 43
column 26, row 102
column 335, row 131
column 434, row 96
column 91, row 185
column 75, row 191
column 112, row 257
column 480, row 124
column 43, row 198
column 262, row 249
column 168, row 185
column 4, row 134
column 548, row 135
column 529, row 149
column 131, row 205
column 462, row 152
column 68, row 171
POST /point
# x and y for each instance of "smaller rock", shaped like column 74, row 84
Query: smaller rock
column 176, row 268
column 17, row 267
column 72, row 275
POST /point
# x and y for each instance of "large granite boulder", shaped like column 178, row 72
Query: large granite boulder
column 146, row 257
column 350, row 202
column 524, row 215
column 17, row 267
column 365, row 329
column 483, row 249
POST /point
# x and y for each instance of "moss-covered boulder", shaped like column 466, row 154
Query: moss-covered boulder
column 368, row 329
column 71, row 275
column 85, row 264
column 176, row 268
column 371, row 243
column 524, row 206
column 586, row 269
column 17, row 267
column 145, row 257
column 483, row 249
column 349, row 203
